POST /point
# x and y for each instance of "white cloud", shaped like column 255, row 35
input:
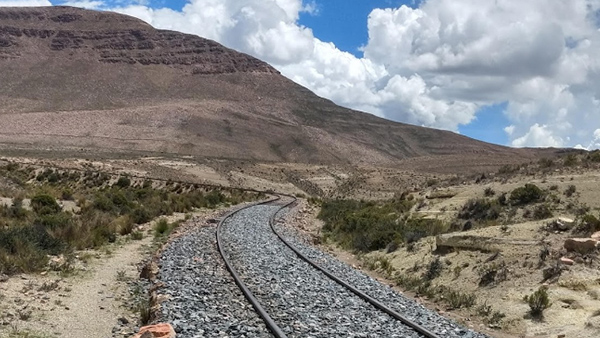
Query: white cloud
column 538, row 136
column 434, row 65
column 23, row 3
column 85, row 4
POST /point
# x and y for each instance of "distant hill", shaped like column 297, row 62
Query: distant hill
column 99, row 80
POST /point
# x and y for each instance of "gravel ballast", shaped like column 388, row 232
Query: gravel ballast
column 204, row 301
column 303, row 301
column 442, row 326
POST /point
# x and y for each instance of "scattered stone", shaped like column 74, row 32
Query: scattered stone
column 581, row 245
column 162, row 330
column 149, row 270
column 566, row 261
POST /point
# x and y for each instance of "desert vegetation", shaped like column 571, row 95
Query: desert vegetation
column 525, row 232
column 366, row 225
column 106, row 207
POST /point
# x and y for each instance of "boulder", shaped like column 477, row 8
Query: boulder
column 561, row 224
column 569, row 222
column 596, row 235
column 581, row 245
column 162, row 330
column 566, row 261
column 149, row 270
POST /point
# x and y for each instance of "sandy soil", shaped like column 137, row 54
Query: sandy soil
column 86, row 303
column 574, row 296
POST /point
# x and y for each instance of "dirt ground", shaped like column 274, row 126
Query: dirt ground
column 575, row 309
column 85, row 302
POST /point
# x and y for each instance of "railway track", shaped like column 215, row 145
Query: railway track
column 363, row 309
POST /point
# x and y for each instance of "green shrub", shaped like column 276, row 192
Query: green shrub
column 587, row 225
column 161, row 227
column 489, row 192
column 44, row 204
column 123, row 182
column 367, row 226
column 137, row 235
column 538, row 302
column 542, row 211
column 434, row 269
column 408, row 281
column 594, row 156
column 527, row 194
column 457, row 299
column 141, row 215
column 570, row 160
column 546, row 162
column 480, row 210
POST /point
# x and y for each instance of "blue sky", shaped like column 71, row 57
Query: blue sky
column 344, row 23
column 511, row 72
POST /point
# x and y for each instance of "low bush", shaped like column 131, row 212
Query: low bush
column 458, row 300
column 434, row 269
column 123, row 182
column 480, row 210
column 161, row 227
column 367, row 226
column 28, row 237
column 587, row 225
column 44, row 204
column 542, row 211
column 492, row 274
column 527, row 194
column 570, row 160
column 538, row 302
column 594, row 156
column 570, row 190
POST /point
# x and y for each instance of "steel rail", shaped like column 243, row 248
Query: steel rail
column 269, row 322
column 415, row 326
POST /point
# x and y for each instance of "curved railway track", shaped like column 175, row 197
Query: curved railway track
column 269, row 321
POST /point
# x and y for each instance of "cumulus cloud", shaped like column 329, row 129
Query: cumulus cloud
column 436, row 64
column 538, row 135
column 89, row 4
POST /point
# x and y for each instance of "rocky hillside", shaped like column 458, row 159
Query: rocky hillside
column 80, row 79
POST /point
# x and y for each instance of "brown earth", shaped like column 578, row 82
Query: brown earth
column 76, row 80
column 512, row 245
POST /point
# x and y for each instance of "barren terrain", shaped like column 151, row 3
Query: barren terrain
column 512, row 247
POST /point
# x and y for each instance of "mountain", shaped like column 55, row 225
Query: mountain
column 81, row 79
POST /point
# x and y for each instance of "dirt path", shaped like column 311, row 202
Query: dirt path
column 87, row 305
column 95, row 303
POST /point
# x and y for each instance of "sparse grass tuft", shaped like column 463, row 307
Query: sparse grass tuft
column 571, row 189
column 538, row 302
column 137, row 235
column 161, row 227
column 542, row 211
column 434, row 269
